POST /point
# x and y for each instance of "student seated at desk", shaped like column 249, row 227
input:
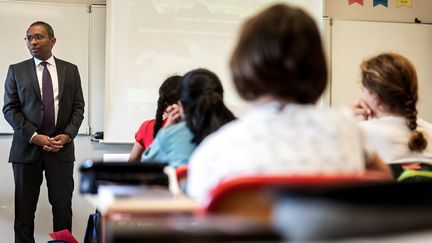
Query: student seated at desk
column 388, row 106
column 202, row 111
column 144, row 136
column 278, row 65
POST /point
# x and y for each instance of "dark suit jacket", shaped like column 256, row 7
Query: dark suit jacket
column 23, row 109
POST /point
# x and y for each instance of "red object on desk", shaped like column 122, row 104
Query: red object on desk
column 411, row 166
column 63, row 235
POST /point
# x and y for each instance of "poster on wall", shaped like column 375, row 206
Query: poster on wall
column 384, row 3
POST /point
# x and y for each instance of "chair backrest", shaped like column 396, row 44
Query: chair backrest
column 365, row 210
column 97, row 173
column 399, row 168
column 254, row 196
column 181, row 172
column 415, row 176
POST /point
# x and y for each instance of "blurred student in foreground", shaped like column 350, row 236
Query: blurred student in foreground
column 202, row 111
column 167, row 100
column 388, row 106
column 279, row 67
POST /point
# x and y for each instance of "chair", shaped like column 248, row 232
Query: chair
column 181, row 173
column 253, row 196
column 412, row 172
column 363, row 210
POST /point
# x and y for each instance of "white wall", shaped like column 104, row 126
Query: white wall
column 362, row 31
column 354, row 41
column 339, row 9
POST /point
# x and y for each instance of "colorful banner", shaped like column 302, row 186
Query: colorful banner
column 406, row 3
column 355, row 1
column 380, row 2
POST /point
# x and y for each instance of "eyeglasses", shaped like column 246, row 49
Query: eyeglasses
column 37, row 38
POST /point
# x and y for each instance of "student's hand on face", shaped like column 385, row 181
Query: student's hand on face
column 173, row 113
column 361, row 108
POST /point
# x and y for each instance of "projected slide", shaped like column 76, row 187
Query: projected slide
column 149, row 40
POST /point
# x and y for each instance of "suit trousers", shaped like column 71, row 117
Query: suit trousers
column 28, row 179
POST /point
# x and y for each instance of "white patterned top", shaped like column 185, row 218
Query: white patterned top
column 271, row 138
column 390, row 136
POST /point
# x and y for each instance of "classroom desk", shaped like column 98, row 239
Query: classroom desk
column 187, row 229
column 151, row 203
column 163, row 218
column 143, row 205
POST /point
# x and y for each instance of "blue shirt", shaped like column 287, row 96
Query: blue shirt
column 171, row 145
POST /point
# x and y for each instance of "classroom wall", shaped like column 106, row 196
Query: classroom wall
column 358, row 32
column 339, row 9
column 103, row 2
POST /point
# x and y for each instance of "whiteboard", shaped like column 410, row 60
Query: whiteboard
column 71, row 28
column 148, row 40
column 354, row 41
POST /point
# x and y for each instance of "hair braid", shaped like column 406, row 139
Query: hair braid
column 159, row 116
column 417, row 141
column 168, row 95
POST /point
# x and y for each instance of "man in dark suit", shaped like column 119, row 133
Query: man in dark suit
column 44, row 104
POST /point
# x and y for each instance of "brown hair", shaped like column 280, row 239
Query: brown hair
column 393, row 79
column 280, row 53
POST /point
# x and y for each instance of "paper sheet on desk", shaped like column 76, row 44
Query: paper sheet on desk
column 108, row 194
column 115, row 158
column 134, row 190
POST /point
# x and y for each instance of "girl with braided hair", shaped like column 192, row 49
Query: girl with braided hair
column 388, row 105
column 148, row 129
column 201, row 112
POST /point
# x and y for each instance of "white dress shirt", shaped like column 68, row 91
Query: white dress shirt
column 54, row 78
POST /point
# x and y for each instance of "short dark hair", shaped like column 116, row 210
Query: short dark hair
column 201, row 95
column 280, row 53
column 392, row 78
column 48, row 27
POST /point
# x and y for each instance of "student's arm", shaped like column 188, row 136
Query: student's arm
column 376, row 168
column 137, row 151
column 144, row 131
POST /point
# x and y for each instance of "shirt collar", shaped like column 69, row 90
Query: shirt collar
column 50, row 61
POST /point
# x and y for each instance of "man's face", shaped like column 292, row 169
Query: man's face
column 39, row 43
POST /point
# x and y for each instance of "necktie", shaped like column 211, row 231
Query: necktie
column 48, row 124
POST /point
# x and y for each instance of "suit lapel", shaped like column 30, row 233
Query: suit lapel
column 33, row 77
column 61, row 73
